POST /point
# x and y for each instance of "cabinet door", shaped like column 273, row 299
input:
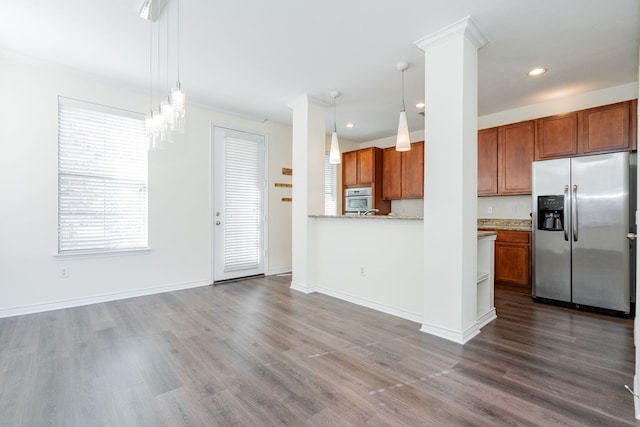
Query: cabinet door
column 392, row 175
column 557, row 136
column 366, row 166
column 606, row 128
column 513, row 261
column 350, row 168
column 515, row 155
column 413, row 172
column 488, row 162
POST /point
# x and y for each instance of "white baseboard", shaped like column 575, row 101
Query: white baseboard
column 280, row 270
column 486, row 318
column 451, row 335
column 636, row 399
column 302, row 288
column 76, row 302
column 413, row 317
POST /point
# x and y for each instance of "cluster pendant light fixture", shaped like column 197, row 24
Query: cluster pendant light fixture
column 403, row 142
column 169, row 117
column 334, row 153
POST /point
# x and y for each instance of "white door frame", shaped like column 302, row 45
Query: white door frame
column 212, row 184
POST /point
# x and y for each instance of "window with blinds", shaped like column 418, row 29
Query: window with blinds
column 102, row 178
column 330, row 188
column 244, row 183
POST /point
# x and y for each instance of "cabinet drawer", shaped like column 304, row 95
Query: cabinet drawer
column 514, row 236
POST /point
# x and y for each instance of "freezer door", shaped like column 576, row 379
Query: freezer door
column 600, row 190
column 551, row 251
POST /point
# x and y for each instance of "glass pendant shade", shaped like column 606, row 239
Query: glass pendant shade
column 334, row 153
column 169, row 115
column 177, row 99
column 154, row 125
column 403, row 142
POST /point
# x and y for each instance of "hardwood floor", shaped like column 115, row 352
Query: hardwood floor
column 255, row 353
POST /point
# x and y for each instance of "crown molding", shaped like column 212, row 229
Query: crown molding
column 466, row 26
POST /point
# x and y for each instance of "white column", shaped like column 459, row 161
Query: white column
column 450, row 196
column 308, row 187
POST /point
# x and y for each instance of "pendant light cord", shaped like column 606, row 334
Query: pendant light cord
column 178, row 41
column 151, row 66
column 334, row 114
column 403, row 109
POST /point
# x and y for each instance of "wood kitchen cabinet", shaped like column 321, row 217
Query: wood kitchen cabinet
column 557, row 136
column 487, row 162
column 359, row 167
column 403, row 173
column 605, row 129
column 513, row 261
column 363, row 168
column 505, row 154
column 515, row 156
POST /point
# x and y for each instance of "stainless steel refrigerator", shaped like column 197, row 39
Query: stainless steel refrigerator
column 583, row 210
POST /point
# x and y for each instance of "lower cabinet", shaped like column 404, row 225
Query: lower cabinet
column 513, row 261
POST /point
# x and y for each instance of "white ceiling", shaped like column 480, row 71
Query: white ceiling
column 254, row 57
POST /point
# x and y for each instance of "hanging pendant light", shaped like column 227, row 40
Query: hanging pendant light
column 176, row 96
column 334, row 152
column 403, row 141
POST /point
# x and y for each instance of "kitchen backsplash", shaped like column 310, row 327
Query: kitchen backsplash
column 505, row 207
column 408, row 207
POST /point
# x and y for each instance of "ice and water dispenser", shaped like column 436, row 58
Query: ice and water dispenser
column 551, row 213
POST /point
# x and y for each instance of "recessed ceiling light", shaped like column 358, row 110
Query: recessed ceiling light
column 350, row 125
column 536, row 72
column 420, row 105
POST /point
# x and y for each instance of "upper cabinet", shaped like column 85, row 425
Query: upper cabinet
column 413, row 172
column 404, row 173
column 488, row 162
column 604, row 129
column 505, row 154
column 359, row 167
column 515, row 155
column 392, row 167
column 557, row 136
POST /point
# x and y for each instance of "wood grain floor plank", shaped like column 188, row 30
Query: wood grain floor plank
column 254, row 352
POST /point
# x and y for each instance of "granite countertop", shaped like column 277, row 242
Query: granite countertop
column 368, row 217
column 504, row 224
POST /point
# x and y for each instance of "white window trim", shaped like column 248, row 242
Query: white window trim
column 99, row 253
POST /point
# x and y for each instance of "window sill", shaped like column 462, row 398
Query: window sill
column 101, row 254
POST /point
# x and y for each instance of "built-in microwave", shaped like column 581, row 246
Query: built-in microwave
column 358, row 200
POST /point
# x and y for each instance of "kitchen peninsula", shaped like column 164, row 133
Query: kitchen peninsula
column 377, row 261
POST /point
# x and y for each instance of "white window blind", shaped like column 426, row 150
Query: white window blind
column 102, row 178
column 330, row 188
column 244, row 188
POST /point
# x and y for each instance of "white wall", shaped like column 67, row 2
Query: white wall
column 179, row 197
column 519, row 207
column 377, row 263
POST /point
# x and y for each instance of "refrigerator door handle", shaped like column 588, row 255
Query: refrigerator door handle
column 574, row 213
column 566, row 213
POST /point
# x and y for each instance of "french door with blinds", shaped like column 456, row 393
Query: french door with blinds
column 239, row 215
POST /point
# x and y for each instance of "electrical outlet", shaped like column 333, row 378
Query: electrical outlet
column 490, row 209
column 64, row 272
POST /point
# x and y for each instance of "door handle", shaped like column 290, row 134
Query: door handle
column 574, row 213
column 566, row 213
column 217, row 222
column 632, row 236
